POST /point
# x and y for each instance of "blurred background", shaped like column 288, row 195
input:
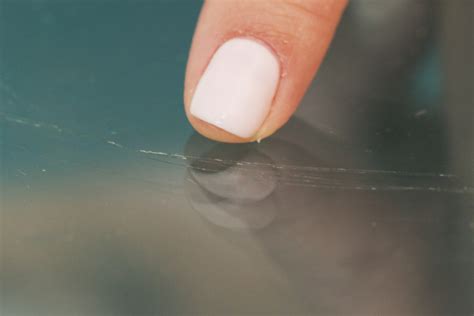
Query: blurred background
column 110, row 204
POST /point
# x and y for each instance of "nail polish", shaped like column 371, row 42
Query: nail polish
column 236, row 91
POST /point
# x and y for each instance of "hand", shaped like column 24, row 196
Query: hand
column 251, row 62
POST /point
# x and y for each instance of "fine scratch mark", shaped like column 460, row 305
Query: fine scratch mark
column 35, row 124
column 21, row 172
column 153, row 152
column 111, row 142
column 182, row 157
column 421, row 112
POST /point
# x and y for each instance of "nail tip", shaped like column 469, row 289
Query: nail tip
column 221, row 126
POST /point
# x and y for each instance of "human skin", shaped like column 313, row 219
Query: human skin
column 297, row 32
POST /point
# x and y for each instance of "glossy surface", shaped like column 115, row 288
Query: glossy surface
column 111, row 205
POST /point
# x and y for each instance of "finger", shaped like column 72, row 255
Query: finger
column 251, row 62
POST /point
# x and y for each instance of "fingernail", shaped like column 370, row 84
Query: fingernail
column 236, row 90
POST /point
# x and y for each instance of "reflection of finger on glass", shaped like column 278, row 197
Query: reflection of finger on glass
column 231, row 186
column 243, row 182
column 230, row 213
column 237, row 196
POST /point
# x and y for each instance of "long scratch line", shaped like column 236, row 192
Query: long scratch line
column 324, row 177
column 334, row 178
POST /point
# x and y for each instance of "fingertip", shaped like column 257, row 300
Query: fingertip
column 246, row 77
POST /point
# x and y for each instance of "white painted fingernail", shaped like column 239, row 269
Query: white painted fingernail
column 236, row 91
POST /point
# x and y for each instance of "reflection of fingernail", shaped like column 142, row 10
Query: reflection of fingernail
column 236, row 197
column 236, row 90
column 241, row 184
